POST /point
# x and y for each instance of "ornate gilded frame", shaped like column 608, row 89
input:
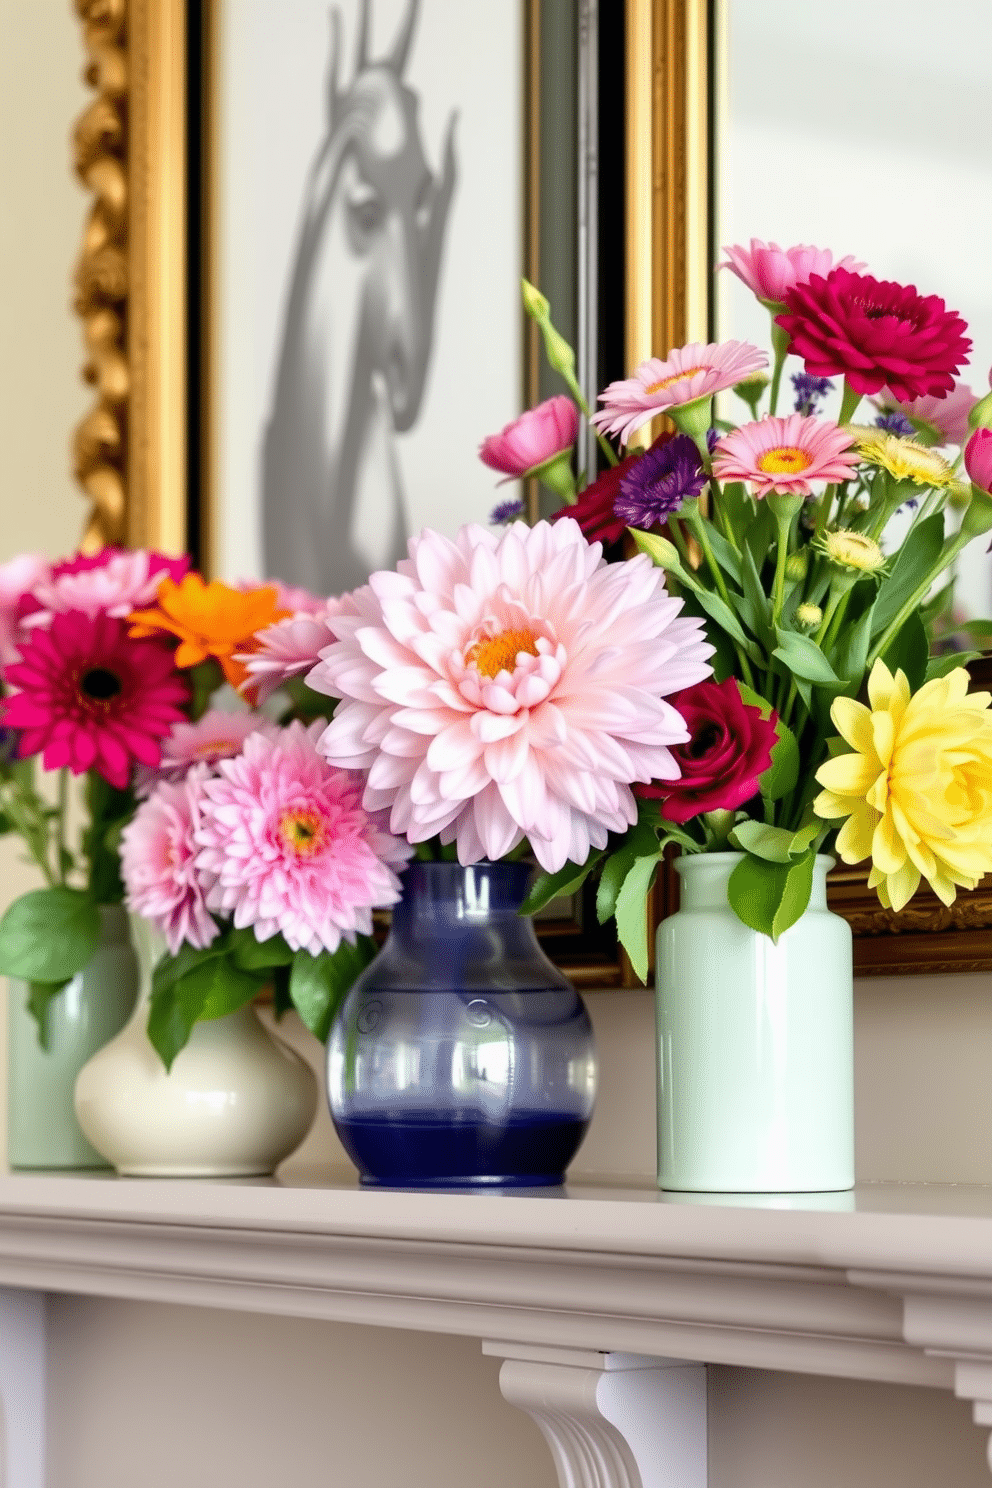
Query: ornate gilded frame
column 130, row 451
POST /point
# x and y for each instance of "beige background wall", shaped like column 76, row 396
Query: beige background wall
column 151, row 1395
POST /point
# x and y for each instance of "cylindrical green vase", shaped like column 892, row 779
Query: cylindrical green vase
column 755, row 1042
column 42, row 1130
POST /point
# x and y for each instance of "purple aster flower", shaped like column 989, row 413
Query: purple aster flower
column 659, row 482
column 809, row 390
column 896, row 423
column 505, row 511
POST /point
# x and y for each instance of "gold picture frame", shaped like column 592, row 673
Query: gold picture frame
column 131, row 450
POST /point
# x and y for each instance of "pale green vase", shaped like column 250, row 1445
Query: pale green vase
column 755, row 1044
column 42, row 1130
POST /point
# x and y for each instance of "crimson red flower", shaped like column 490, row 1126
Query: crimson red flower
column 594, row 509
column 876, row 334
column 729, row 749
column 90, row 697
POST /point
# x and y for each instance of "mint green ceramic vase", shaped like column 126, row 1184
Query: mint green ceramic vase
column 755, row 1044
column 42, row 1130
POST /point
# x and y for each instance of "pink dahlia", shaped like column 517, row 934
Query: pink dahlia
column 112, row 582
column 876, row 334
column 948, row 416
column 690, row 373
column 289, row 597
column 217, row 735
column 289, row 648
column 770, row 271
column 785, row 454
column 91, row 698
column 158, row 863
column 503, row 685
column 533, row 438
column 287, row 846
column 17, row 578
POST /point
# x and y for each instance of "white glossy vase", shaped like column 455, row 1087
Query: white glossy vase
column 755, row 1044
column 235, row 1103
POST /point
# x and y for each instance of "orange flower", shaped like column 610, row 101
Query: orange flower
column 210, row 620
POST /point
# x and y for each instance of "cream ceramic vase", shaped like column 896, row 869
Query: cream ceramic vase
column 755, row 1044
column 235, row 1103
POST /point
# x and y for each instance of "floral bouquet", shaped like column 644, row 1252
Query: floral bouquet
column 831, row 719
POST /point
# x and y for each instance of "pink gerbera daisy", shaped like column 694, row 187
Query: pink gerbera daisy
column 691, row 372
column 503, row 685
column 785, row 454
column 112, row 582
column 289, row 648
column 89, row 697
column 217, row 735
column 158, row 863
column 770, row 271
column 287, row 846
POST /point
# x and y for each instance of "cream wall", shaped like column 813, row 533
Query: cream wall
column 151, row 1395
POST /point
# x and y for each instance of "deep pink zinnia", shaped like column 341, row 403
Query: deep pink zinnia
column 785, row 454
column 286, row 845
column 533, row 438
column 158, row 863
column 91, row 698
column 876, row 334
column 770, row 271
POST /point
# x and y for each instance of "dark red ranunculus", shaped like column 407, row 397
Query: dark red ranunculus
column 594, row 508
column 729, row 749
column 876, row 334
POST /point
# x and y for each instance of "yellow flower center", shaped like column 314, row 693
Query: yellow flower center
column 302, row 830
column 667, row 382
column 785, row 459
column 499, row 653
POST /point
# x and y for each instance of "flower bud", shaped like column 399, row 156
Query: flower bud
column 853, row 552
column 796, row 567
column 535, row 303
column 978, row 458
column 809, row 616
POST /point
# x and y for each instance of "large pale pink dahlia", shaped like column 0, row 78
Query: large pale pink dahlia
column 876, row 334
column 91, row 698
column 503, row 685
column 689, row 373
column 286, row 845
column 158, row 863
column 785, row 454
column 770, row 271
column 112, row 582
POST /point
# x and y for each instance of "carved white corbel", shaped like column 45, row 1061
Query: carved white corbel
column 611, row 1420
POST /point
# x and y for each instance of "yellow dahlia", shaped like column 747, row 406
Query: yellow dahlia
column 917, row 789
column 903, row 458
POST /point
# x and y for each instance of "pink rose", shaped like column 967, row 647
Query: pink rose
column 533, row 438
column 978, row 459
column 729, row 749
column 770, row 271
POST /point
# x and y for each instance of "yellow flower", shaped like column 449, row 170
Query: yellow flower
column 852, row 550
column 917, row 789
column 902, row 457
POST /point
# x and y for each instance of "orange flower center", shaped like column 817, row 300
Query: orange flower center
column 303, row 831
column 499, row 653
column 667, row 382
column 785, row 460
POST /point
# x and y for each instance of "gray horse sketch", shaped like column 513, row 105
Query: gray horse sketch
column 358, row 328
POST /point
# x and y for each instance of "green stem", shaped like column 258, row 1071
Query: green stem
column 848, row 403
column 698, row 524
column 781, row 558
column 823, row 510
column 781, row 341
column 949, row 553
column 679, row 539
column 60, row 824
column 30, row 837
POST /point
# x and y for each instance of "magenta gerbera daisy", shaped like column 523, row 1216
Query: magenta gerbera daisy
column 503, row 685
column 90, row 698
column 876, row 334
column 158, row 863
column 286, row 845
column 785, row 454
column 690, row 373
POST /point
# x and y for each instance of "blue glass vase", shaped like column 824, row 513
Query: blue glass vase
column 461, row 1056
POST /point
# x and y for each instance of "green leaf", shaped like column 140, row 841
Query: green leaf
column 769, row 897
column 170, row 969
column 41, row 995
column 567, row 880
column 6, row 825
column 851, row 654
column 249, row 954
column 915, row 559
column 783, row 772
column 49, row 935
column 759, row 609
column 318, row 984
column 725, row 554
column 803, row 658
column 631, row 913
column 642, row 840
column 939, row 666
column 909, row 651
column 211, row 989
column 772, row 844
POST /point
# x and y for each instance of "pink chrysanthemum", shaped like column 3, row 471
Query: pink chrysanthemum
column 112, row 582
column 289, row 648
column 217, row 735
column 287, row 846
column 876, row 334
column 502, row 685
column 949, row 416
column 17, row 579
column 158, row 863
column 785, row 454
column 770, row 271
column 90, row 698
column 691, row 372
column 288, row 596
